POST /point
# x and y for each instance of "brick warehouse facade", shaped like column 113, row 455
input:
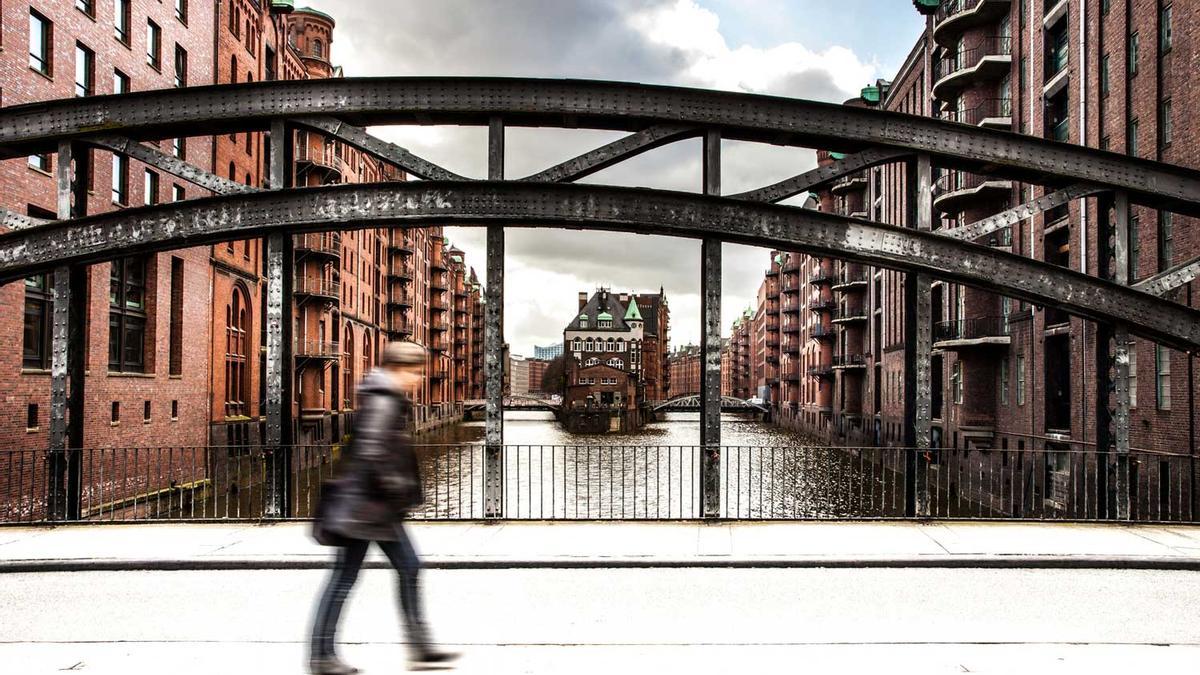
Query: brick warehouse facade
column 354, row 290
column 1006, row 374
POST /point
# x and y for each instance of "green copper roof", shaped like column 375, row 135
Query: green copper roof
column 604, row 316
column 871, row 94
column 632, row 314
column 926, row 6
column 310, row 10
column 837, row 155
column 283, row 5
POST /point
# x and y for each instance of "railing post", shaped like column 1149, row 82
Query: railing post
column 918, row 346
column 493, row 339
column 710, row 329
column 1112, row 372
column 279, row 363
column 64, row 462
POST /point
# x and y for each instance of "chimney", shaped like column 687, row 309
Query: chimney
column 583, row 297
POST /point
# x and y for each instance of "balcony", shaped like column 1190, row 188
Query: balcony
column 849, row 362
column 992, row 113
column 849, row 183
column 820, row 277
column 790, row 284
column 316, row 287
column 791, row 371
column 328, row 244
column 439, row 263
column 400, row 297
column 792, row 264
column 438, row 303
column 399, row 269
column 437, row 344
column 439, row 324
column 987, row 331
column 954, row 17
column 401, row 243
column 772, row 323
column 790, row 305
column 317, row 349
column 821, row 371
column 823, row 306
column 772, row 291
column 791, row 326
column 772, row 339
column 320, row 160
column 849, row 314
column 400, row 326
column 991, row 59
column 821, row 332
column 848, row 282
column 439, row 281
column 957, row 190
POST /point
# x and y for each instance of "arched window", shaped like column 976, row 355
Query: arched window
column 237, row 328
column 233, row 70
column 577, row 345
column 591, row 362
column 366, row 353
column 318, row 48
column 348, row 369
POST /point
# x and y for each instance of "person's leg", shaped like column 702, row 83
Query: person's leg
column 345, row 573
column 408, row 567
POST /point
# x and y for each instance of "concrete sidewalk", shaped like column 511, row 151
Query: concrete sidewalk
column 472, row 545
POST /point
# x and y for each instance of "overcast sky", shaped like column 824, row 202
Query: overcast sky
column 813, row 49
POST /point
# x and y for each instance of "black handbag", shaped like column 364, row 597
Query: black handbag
column 330, row 490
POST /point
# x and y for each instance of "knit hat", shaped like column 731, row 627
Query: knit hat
column 403, row 354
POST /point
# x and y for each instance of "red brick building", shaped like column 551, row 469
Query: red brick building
column 1005, row 374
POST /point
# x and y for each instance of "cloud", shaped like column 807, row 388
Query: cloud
column 678, row 42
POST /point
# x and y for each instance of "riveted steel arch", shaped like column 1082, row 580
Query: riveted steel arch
column 517, row 204
column 590, row 104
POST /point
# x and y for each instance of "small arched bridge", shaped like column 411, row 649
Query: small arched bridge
column 693, row 403
column 514, row 402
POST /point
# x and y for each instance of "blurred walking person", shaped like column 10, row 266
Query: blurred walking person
column 379, row 483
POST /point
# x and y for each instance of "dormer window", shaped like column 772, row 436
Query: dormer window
column 606, row 323
column 583, row 322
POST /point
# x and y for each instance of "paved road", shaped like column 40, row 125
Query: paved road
column 623, row 620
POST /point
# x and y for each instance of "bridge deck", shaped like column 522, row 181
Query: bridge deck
column 620, row 620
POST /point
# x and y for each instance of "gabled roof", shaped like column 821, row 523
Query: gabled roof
column 602, row 305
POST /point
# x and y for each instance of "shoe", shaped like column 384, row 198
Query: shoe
column 424, row 657
column 330, row 665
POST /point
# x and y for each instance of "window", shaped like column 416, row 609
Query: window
column 1104, row 6
column 1020, row 379
column 236, row 334
column 120, row 179
column 120, row 82
column 121, row 20
column 1166, row 239
column 1164, row 29
column 577, row 345
column 1133, row 54
column 31, row 416
column 150, row 188
column 175, row 409
column 1135, row 246
column 40, row 41
column 1057, row 50
column 583, row 323
column 318, row 48
column 181, row 10
column 127, row 316
column 39, row 311
column 176, row 337
column 1104, row 81
column 40, row 162
column 269, row 63
column 85, row 71
column 181, row 66
column 153, row 45
column 1131, row 136
column 1004, row 381
column 146, row 411
column 956, row 382
column 179, row 148
column 1162, row 369
column 87, row 7
column 1133, row 376
column 115, row 416
column 177, row 194
column 1165, row 128
column 1058, row 115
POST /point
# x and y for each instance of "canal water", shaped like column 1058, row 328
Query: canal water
column 550, row 473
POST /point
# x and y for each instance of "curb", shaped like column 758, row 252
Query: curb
column 1075, row 562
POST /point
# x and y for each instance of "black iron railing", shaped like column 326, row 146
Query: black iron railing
column 988, row 109
column 971, row 329
column 969, row 58
column 610, row 482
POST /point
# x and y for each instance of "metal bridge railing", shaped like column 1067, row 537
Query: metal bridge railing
column 610, row 482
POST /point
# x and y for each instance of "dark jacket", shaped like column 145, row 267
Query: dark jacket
column 380, row 480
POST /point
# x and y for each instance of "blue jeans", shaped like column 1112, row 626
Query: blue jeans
column 345, row 572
